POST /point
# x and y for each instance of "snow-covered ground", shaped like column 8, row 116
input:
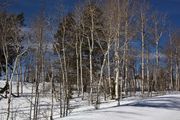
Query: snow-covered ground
column 20, row 106
column 165, row 107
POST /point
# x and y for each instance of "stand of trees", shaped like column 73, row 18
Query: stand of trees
column 108, row 49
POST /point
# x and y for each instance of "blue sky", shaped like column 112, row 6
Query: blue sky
column 31, row 7
column 171, row 8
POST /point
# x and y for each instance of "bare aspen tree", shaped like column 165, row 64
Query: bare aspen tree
column 17, row 80
column 158, row 24
column 105, row 52
column 21, row 76
column 126, row 46
column 77, row 64
column 64, row 52
column 64, row 67
column 31, row 102
column 78, row 17
column 89, row 20
column 91, row 47
column 143, row 25
column 19, row 54
column 4, row 34
column 171, row 61
column 81, row 40
column 60, row 48
column 142, row 51
column 12, row 76
column 63, row 79
column 38, row 35
column 81, row 70
column 116, row 48
column 51, row 75
column 128, row 8
column 176, row 57
column 63, row 82
column 148, row 72
column 109, row 36
column 66, row 91
column 10, row 28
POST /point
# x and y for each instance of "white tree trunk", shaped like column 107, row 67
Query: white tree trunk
column 91, row 47
column 171, row 70
column 142, row 53
column 91, row 78
column 157, row 65
column 22, row 75
column 100, row 80
column 126, row 56
column 117, row 69
column 148, row 72
column 10, row 84
column 109, row 70
column 77, row 67
column 17, row 80
column 81, row 70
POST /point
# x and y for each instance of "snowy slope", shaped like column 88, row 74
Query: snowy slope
column 165, row 107
column 158, row 108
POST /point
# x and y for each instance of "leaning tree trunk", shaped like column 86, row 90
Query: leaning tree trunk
column 100, row 81
column 10, row 89
column 5, row 52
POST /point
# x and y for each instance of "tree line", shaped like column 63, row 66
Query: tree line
column 111, row 49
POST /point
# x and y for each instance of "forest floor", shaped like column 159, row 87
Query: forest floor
column 165, row 107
